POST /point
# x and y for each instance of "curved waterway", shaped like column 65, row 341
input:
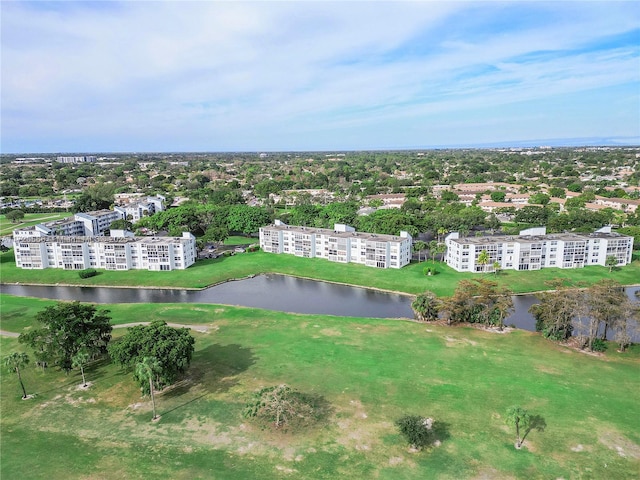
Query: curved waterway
column 272, row 292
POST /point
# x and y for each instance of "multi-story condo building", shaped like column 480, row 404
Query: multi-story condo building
column 87, row 224
column 135, row 211
column 342, row 244
column 533, row 249
column 109, row 253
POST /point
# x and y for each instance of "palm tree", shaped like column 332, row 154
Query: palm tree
column 497, row 267
column 483, row 259
column 147, row 369
column 521, row 419
column 440, row 249
column 14, row 363
column 80, row 359
column 418, row 247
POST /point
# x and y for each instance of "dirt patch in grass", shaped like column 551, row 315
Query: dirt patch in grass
column 623, row 446
column 331, row 332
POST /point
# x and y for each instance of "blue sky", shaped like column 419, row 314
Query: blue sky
column 273, row 76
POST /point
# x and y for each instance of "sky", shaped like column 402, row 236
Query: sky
column 139, row 76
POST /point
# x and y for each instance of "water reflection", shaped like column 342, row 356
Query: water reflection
column 273, row 292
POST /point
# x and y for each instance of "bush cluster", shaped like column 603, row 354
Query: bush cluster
column 88, row 272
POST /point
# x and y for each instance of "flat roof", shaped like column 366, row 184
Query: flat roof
column 565, row 237
column 334, row 233
column 100, row 239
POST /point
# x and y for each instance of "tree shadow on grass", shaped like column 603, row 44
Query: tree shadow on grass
column 213, row 369
column 537, row 423
column 440, row 431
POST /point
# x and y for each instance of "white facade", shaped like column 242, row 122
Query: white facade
column 83, row 224
column 109, row 253
column 533, row 250
column 135, row 211
column 80, row 159
column 342, row 244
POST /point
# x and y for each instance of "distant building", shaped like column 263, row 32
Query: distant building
column 533, row 249
column 135, row 211
column 342, row 244
column 82, row 224
column 79, row 159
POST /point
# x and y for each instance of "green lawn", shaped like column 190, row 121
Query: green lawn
column 371, row 371
column 409, row 279
column 30, row 219
column 240, row 240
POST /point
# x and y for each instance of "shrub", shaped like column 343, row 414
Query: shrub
column 281, row 406
column 598, row 345
column 416, row 430
column 89, row 272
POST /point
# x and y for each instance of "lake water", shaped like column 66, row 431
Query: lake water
column 272, row 292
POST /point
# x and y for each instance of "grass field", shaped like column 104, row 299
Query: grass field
column 409, row 279
column 370, row 371
column 30, row 219
column 240, row 240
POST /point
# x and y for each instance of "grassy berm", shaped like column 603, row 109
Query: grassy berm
column 370, row 371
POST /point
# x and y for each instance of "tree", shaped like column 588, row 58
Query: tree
column 417, row 430
column 418, row 247
column 478, row 301
column 80, row 360
column 426, row 306
column 497, row 267
column 433, row 249
column 69, row 327
column 146, row 370
column 14, row 363
column 172, row 347
column 607, row 307
column 520, row 418
column 247, row 220
column 440, row 249
column 555, row 312
column 483, row 259
column 283, row 406
column 121, row 224
column 15, row 215
column 611, row 261
column 498, row 196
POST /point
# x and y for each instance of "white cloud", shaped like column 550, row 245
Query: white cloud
column 198, row 71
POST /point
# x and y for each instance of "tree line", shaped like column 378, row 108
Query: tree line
column 586, row 316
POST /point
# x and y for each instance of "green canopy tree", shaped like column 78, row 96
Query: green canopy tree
column 611, row 261
column 172, row 347
column 67, row 328
column 14, row 363
column 426, row 306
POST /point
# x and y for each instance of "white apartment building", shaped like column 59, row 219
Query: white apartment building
column 342, row 244
column 533, row 249
column 109, row 253
column 83, row 224
column 135, row 211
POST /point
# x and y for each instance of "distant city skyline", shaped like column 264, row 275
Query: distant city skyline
column 89, row 77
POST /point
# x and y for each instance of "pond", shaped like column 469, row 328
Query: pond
column 272, row 292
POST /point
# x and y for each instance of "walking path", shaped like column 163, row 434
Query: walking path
column 197, row 328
